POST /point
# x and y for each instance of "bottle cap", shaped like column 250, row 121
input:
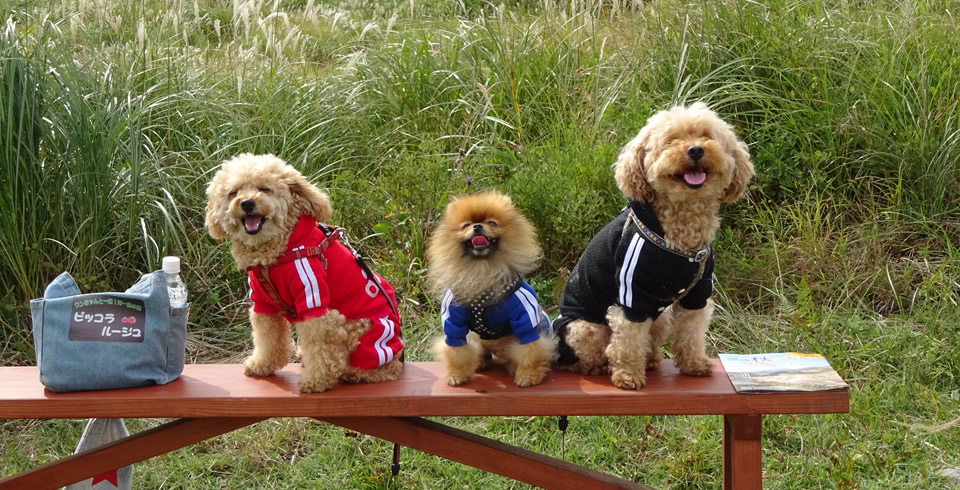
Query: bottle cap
column 171, row 265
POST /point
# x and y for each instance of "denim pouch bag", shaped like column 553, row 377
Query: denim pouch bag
column 103, row 341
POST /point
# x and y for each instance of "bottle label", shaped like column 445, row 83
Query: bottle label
column 107, row 318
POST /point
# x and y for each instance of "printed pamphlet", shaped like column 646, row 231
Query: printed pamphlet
column 781, row 371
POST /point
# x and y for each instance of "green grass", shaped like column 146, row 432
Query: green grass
column 113, row 116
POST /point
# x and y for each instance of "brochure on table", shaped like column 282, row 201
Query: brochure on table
column 781, row 371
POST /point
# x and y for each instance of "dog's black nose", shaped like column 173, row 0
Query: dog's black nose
column 478, row 226
column 695, row 152
column 248, row 205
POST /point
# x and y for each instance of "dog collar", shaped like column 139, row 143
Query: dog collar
column 495, row 296
column 697, row 256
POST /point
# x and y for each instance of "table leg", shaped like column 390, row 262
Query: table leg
column 742, row 461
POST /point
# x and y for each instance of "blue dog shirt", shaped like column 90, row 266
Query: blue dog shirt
column 511, row 311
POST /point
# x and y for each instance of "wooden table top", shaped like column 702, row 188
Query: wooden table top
column 222, row 390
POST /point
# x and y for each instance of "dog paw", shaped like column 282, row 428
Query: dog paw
column 314, row 385
column 580, row 368
column 627, row 380
column 255, row 367
column 525, row 379
column 698, row 366
column 653, row 362
column 598, row 370
column 457, row 380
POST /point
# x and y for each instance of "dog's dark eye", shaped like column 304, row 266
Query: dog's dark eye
column 465, row 226
column 265, row 190
column 492, row 223
column 232, row 195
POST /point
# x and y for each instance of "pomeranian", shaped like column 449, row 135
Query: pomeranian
column 476, row 258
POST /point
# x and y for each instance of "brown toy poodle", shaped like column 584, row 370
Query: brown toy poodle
column 648, row 274
column 302, row 273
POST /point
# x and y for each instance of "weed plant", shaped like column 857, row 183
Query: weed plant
column 114, row 115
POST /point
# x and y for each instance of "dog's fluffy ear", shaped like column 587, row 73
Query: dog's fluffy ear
column 308, row 198
column 213, row 226
column 742, row 173
column 629, row 170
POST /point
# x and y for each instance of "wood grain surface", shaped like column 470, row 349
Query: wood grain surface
column 221, row 390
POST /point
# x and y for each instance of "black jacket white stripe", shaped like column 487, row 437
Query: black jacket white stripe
column 623, row 267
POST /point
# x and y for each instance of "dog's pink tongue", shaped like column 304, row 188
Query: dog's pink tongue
column 252, row 222
column 479, row 241
column 695, row 178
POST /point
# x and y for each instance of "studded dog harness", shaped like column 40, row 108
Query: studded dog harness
column 477, row 310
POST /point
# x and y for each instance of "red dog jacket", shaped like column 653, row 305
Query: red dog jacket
column 304, row 283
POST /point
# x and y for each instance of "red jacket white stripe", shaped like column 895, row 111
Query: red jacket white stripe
column 342, row 285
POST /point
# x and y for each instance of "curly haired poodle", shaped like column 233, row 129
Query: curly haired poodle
column 648, row 274
column 301, row 273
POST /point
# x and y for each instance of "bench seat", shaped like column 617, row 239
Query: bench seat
column 211, row 399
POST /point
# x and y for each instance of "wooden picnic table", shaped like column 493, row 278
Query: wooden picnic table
column 212, row 399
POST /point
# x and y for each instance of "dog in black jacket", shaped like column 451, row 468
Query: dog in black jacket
column 648, row 274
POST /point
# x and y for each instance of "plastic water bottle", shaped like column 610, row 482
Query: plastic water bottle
column 176, row 289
